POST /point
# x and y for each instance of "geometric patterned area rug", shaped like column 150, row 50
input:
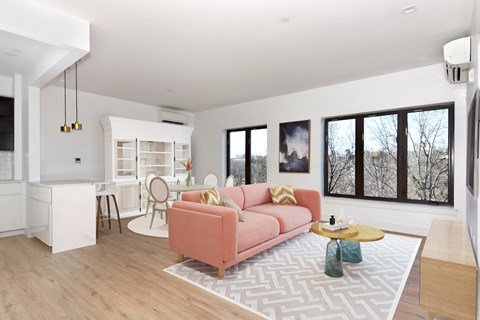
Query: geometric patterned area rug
column 288, row 281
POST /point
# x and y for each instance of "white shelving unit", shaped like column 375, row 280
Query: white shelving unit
column 182, row 154
column 126, row 158
column 134, row 148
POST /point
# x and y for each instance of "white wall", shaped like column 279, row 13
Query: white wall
column 420, row 86
column 58, row 149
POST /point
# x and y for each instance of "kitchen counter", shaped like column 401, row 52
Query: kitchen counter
column 10, row 181
column 62, row 213
column 59, row 183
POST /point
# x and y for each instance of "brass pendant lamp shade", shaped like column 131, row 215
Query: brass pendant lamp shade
column 65, row 128
column 76, row 125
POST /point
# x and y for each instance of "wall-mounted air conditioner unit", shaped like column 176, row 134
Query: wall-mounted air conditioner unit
column 173, row 117
column 457, row 60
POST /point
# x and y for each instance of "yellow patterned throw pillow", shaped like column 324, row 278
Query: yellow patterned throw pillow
column 210, row 197
column 283, row 195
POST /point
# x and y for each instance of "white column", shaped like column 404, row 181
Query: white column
column 18, row 143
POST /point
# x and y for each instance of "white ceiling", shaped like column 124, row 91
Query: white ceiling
column 23, row 55
column 197, row 55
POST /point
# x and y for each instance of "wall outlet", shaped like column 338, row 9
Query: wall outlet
column 78, row 160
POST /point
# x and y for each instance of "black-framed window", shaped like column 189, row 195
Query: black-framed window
column 247, row 154
column 399, row 155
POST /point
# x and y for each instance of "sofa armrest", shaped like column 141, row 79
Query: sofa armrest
column 310, row 199
column 203, row 232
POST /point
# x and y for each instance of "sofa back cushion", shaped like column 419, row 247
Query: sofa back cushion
column 234, row 193
column 256, row 194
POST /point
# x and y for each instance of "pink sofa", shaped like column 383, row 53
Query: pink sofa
column 213, row 234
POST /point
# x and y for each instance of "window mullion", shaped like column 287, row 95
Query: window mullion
column 248, row 156
column 359, row 159
column 402, row 149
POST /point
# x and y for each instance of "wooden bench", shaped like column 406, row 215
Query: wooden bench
column 448, row 272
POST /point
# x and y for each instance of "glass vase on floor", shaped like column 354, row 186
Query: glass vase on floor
column 188, row 180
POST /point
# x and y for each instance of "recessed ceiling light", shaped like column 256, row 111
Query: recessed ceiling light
column 424, row 57
column 409, row 9
column 168, row 90
column 284, row 19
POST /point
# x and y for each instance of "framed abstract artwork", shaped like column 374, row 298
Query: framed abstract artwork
column 294, row 155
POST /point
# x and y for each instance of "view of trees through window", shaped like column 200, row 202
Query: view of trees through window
column 247, row 155
column 404, row 155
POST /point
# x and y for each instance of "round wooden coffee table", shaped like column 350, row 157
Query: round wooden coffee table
column 344, row 245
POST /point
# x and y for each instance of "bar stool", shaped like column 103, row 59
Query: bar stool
column 109, row 190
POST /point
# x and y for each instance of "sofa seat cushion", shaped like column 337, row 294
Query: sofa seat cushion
column 289, row 217
column 256, row 229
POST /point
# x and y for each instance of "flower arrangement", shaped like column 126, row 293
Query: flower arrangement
column 188, row 165
column 188, row 168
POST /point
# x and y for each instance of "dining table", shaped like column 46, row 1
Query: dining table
column 179, row 188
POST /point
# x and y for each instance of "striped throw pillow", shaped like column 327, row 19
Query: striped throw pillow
column 211, row 197
column 283, row 195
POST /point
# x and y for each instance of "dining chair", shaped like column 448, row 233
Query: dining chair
column 211, row 179
column 148, row 180
column 159, row 191
column 230, row 182
column 107, row 191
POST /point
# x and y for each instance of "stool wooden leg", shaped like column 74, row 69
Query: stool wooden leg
column 221, row 273
column 98, row 214
column 108, row 209
column 118, row 213
column 99, row 208
column 180, row 258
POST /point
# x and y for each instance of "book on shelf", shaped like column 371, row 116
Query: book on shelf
column 335, row 227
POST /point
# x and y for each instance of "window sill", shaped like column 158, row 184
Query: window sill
column 393, row 206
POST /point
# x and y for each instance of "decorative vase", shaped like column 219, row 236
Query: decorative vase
column 188, row 179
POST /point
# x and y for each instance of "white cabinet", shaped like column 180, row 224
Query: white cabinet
column 125, row 159
column 135, row 148
column 128, row 199
column 182, row 154
column 12, row 215
column 62, row 214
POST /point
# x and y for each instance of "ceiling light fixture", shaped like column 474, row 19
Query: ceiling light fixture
column 76, row 125
column 424, row 57
column 65, row 128
column 284, row 19
column 409, row 9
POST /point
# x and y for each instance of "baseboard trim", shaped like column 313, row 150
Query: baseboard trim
column 12, row 233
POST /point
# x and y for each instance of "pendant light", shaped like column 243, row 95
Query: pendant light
column 65, row 128
column 76, row 125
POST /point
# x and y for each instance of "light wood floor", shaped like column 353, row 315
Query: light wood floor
column 119, row 278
